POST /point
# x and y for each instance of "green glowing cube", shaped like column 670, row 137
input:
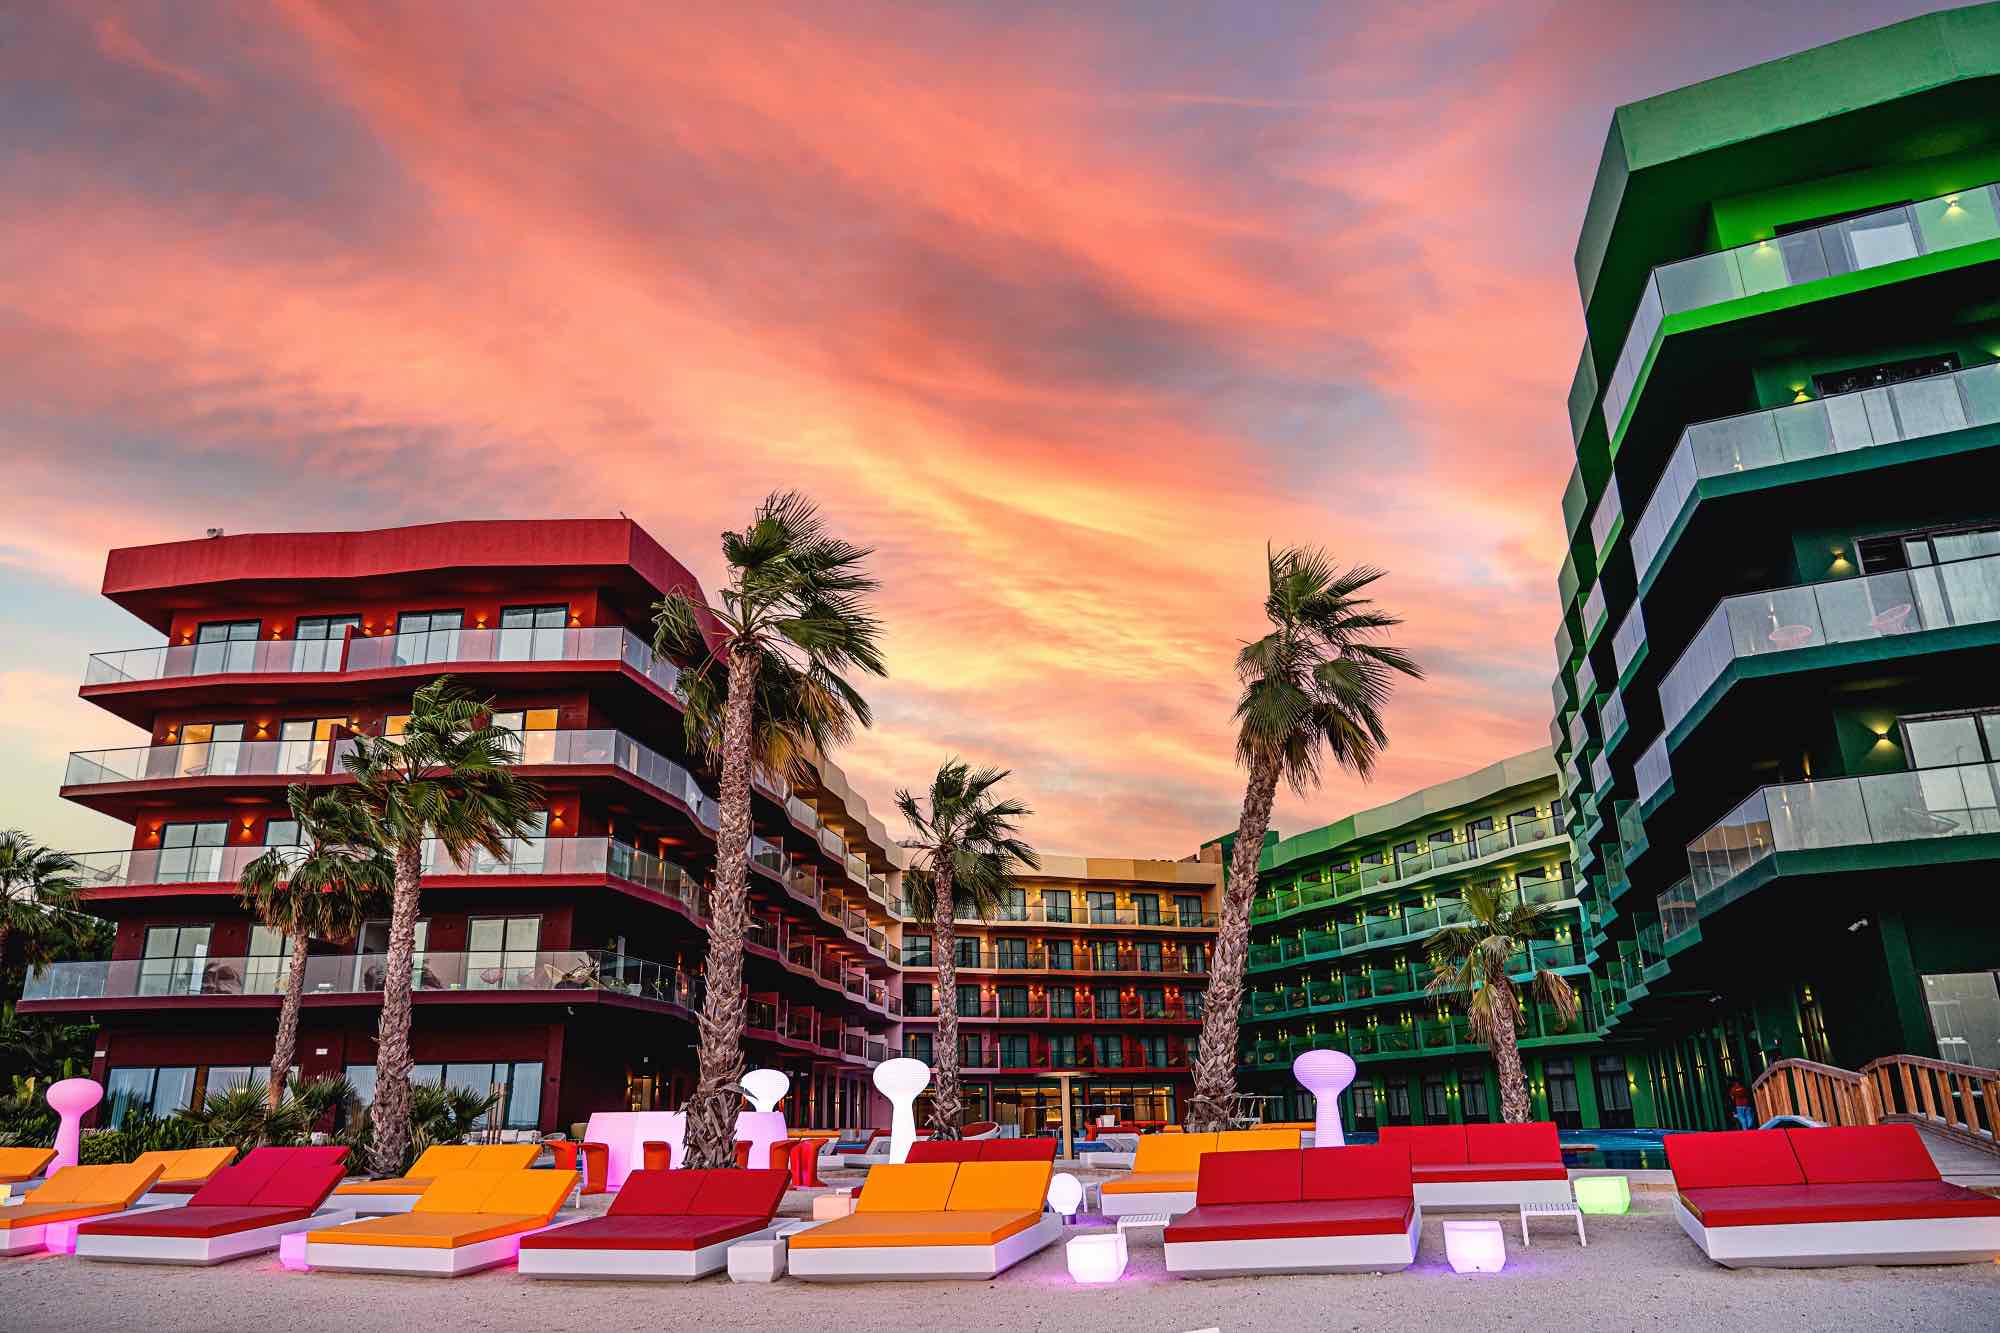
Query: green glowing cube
column 1603, row 1194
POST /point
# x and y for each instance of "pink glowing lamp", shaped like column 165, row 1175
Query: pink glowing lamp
column 1324, row 1074
column 69, row 1099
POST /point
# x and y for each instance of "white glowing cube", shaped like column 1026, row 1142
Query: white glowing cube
column 829, row 1206
column 1098, row 1258
column 1603, row 1194
column 292, row 1251
column 1475, row 1247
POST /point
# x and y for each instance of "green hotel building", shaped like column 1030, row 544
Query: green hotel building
column 1777, row 699
column 1340, row 928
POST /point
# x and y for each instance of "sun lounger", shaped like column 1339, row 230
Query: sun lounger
column 1309, row 1210
column 399, row 1194
column 182, row 1172
column 669, row 1226
column 1484, row 1166
column 1166, row 1168
column 20, row 1165
column 1811, row 1198
column 932, row 1220
column 71, row 1194
column 984, row 1150
column 242, row 1209
column 465, row 1221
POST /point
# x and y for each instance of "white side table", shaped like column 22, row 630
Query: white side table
column 764, row 1259
column 1565, row 1209
column 1134, row 1221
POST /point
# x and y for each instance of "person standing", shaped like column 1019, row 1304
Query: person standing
column 1739, row 1101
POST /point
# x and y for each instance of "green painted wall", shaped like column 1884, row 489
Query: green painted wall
column 1757, row 216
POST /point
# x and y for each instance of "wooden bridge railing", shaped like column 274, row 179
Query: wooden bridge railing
column 1961, row 1102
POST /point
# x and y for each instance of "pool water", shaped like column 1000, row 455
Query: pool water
column 1613, row 1149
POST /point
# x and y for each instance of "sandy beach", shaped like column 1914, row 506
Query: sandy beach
column 1638, row 1272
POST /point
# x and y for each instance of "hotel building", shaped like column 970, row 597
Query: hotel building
column 1777, row 700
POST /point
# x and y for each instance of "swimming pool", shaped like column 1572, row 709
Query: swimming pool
column 1615, row 1149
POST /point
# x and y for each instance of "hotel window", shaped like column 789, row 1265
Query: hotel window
column 518, row 1084
column 1193, row 999
column 966, row 947
column 1438, row 836
column 1522, row 817
column 174, row 960
column 1103, row 908
column 1188, row 907
column 1148, row 907
column 1472, row 1094
column 1152, row 1002
column 1062, row 1050
column 1812, row 1026
column 968, row 998
column 1396, row 1110
column 319, row 641
column 305, row 745
column 532, row 633
column 1406, row 848
column 916, row 951
column 1614, row 1094
column 1055, row 904
column 1153, row 1052
column 1104, row 955
column 150, row 1091
column 1376, row 858
column 1436, row 1108
column 534, row 733
column 1193, row 958
column 1013, row 905
column 1564, row 1108
column 1478, row 828
column 1061, row 954
column 918, row 1046
column 423, row 637
column 281, row 833
column 1062, row 1002
column 205, row 749
column 1965, row 1016
column 501, row 952
column 971, row 1051
column 1013, row 1002
column 371, row 948
column 192, row 853
column 1109, row 1052
column 1362, row 1109
column 1149, row 956
column 1951, row 754
column 919, row 999
column 226, row 645
column 270, row 958
column 1012, row 953
column 1105, row 1003
column 1014, row 1050
column 525, row 854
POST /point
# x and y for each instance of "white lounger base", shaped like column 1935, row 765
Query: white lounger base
column 1174, row 1202
column 27, row 1240
column 377, row 1205
column 1490, row 1193
column 1296, row 1254
column 156, row 1199
column 202, row 1250
column 863, row 1263
column 1927, row 1240
column 417, row 1260
column 635, row 1265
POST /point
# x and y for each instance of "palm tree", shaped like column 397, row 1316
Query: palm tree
column 967, row 852
column 1319, row 680
column 448, row 777
column 324, row 888
column 765, row 686
column 1472, row 966
column 37, row 897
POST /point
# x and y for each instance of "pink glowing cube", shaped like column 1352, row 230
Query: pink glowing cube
column 292, row 1251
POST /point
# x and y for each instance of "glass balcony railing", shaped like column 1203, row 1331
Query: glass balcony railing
column 298, row 758
column 1842, row 423
column 1579, row 730
column 1881, row 808
column 1603, row 519
column 1653, row 771
column 1404, row 867
column 1610, row 715
column 1848, row 246
column 1678, row 911
column 353, row 974
column 1586, row 681
column 1595, row 610
column 1627, row 639
column 1565, row 646
column 1856, row 610
column 1036, row 913
column 1600, row 773
column 438, row 648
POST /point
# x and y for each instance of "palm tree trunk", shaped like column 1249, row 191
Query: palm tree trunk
column 389, row 1117
column 947, row 1101
column 1214, row 1098
column 1515, row 1109
column 711, row 1112
column 288, row 1021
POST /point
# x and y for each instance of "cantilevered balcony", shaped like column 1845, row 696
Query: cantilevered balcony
column 1435, row 859
column 1759, row 628
column 1842, row 423
column 211, row 763
column 570, row 973
column 1851, row 245
column 1909, row 813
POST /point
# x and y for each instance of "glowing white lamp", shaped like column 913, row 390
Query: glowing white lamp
column 1096, row 1258
column 292, row 1251
column 59, row 1238
column 767, row 1087
column 1324, row 1074
column 1065, row 1193
column 900, row 1080
column 1475, row 1247
column 1603, row 1194
column 69, row 1099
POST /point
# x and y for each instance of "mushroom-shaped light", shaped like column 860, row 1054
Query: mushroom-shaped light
column 767, row 1087
column 1324, row 1074
column 69, row 1099
column 900, row 1080
column 1065, row 1193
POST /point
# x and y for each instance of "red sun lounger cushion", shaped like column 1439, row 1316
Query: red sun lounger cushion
column 195, row 1220
column 237, row 1186
column 639, row 1232
column 1016, row 1150
column 1740, row 1157
column 1309, row 1217
column 740, row 1194
column 1378, row 1172
column 1858, row 1154
column 657, row 1193
column 1473, row 1171
column 1880, row 1201
column 1429, row 1145
column 1264, row 1175
column 947, row 1150
column 1534, row 1142
column 299, row 1184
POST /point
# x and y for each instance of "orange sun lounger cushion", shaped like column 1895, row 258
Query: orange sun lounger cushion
column 431, row 1163
column 189, row 1166
column 19, row 1164
column 938, row 1203
column 463, row 1208
column 81, row 1191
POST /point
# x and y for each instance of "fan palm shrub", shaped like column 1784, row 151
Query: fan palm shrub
column 764, row 684
column 967, row 850
column 1315, row 685
column 38, row 900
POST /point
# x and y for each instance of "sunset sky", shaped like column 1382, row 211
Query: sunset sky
column 1067, row 309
